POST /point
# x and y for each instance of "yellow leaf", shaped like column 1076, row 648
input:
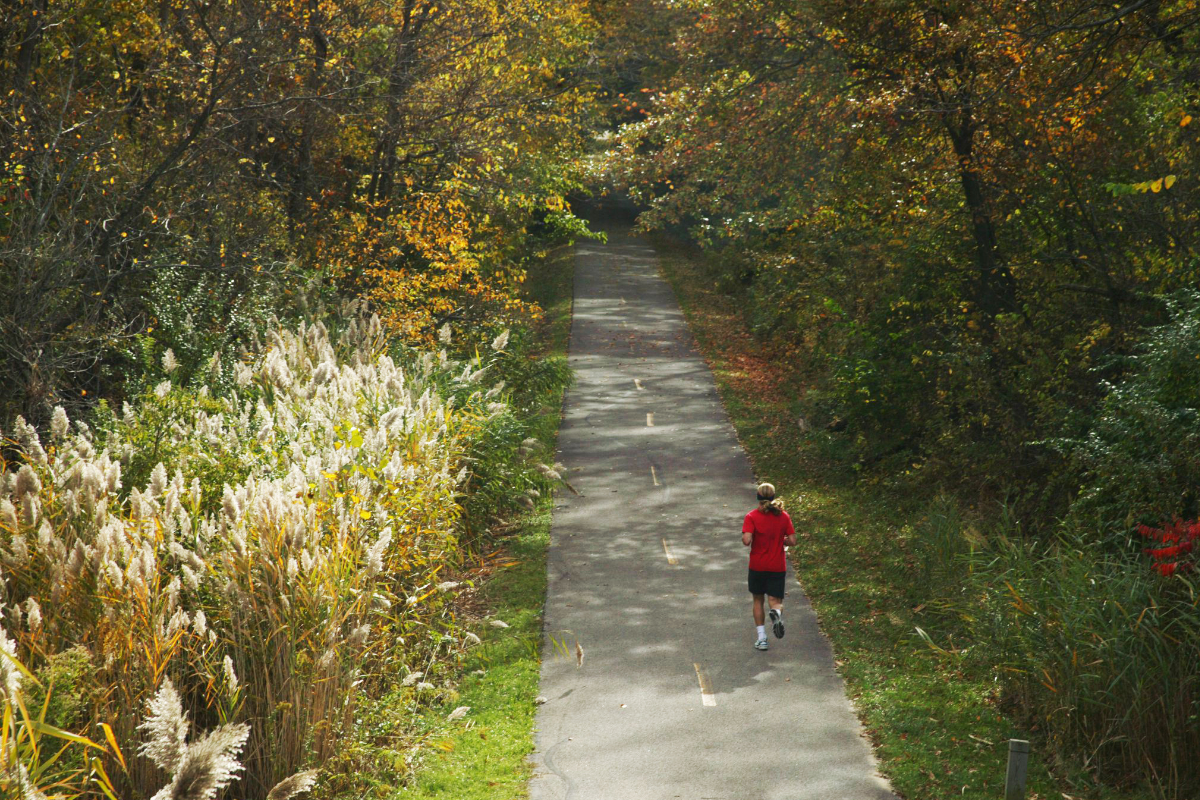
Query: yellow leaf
column 1156, row 186
column 365, row 514
column 1168, row 181
column 1186, row 119
column 112, row 740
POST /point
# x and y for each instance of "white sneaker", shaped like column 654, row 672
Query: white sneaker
column 761, row 644
column 777, row 623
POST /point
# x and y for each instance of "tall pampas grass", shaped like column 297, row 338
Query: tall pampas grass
column 200, row 770
column 264, row 548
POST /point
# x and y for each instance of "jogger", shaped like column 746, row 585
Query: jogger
column 765, row 531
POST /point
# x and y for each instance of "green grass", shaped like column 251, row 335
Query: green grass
column 486, row 754
column 935, row 714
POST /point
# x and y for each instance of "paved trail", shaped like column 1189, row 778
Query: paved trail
column 648, row 576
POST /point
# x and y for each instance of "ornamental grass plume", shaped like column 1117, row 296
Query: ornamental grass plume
column 200, row 770
column 10, row 674
column 207, row 766
column 290, row 787
column 59, row 424
column 166, row 729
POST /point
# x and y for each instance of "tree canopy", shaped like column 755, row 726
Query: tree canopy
column 194, row 160
column 961, row 210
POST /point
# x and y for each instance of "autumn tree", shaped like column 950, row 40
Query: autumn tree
column 193, row 167
column 934, row 201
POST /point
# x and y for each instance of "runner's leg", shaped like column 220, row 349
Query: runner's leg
column 776, row 615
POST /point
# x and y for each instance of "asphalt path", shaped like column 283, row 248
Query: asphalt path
column 652, row 687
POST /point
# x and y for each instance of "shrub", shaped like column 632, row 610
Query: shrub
column 1137, row 458
column 1173, row 547
column 37, row 755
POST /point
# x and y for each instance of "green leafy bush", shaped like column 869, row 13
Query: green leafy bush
column 1138, row 458
column 507, row 461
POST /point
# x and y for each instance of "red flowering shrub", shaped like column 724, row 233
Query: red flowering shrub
column 1175, row 550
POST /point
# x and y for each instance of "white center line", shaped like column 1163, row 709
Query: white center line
column 671, row 559
column 649, row 419
column 706, row 693
column 638, row 384
column 654, row 476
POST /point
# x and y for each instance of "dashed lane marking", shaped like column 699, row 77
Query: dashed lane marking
column 649, row 419
column 671, row 559
column 706, row 693
column 654, row 476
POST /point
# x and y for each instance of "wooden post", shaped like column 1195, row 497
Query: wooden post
column 1018, row 767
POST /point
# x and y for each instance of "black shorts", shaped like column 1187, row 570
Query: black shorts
column 770, row 583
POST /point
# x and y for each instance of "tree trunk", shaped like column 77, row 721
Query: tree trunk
column 994, row 287
column 26, row 57
column 301, row 183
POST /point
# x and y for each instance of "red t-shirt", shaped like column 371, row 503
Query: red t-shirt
column 766, row 550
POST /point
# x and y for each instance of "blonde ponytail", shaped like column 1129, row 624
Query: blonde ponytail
column 767, row 501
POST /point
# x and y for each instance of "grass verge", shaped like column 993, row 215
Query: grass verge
column 938, row 721
column 485, row 755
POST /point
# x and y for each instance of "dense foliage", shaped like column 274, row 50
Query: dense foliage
column 182, row 170
column 971, row 228
column 207, row 476
column 965, row 209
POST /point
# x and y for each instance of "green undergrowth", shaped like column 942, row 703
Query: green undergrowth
column 485, row 755
column 934, row 711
